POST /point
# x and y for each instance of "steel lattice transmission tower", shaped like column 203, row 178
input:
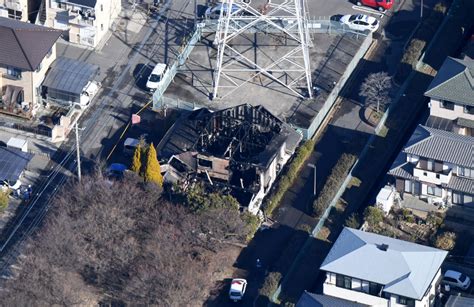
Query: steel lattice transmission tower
column 236, row 35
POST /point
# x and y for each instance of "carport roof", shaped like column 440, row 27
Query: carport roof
column 12, row 163
column 68, row 75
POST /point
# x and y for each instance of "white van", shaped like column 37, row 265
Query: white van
column 129, row 146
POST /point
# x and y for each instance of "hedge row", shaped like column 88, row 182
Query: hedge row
column 425, row 32
column 333, row 183
column 270, row 285
column 287, row 180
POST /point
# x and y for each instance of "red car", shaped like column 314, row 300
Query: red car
column 381, row 5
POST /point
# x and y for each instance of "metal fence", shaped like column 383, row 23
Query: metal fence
column 31, row 129
column 319, row 25
column 187, row 47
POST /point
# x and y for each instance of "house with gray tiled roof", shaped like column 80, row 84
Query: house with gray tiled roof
column 451, row 96
column 436, row 166
column 376, row 270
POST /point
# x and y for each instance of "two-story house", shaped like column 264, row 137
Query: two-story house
column 87, row 21
column 26, row 52
column 436, row 166
column 375, row 270
column 451, row 96
column 22, row 10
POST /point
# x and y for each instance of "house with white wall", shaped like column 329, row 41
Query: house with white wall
column 26, row 53
column 451, row 96
column 375, row 270
column 22, row 10
column 436, row 166
column 86, row 21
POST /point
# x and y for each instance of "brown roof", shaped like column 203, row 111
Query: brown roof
column 24, row 45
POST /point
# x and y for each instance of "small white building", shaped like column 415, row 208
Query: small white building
column 375, row 270
column 386, row 198
column 18, row 143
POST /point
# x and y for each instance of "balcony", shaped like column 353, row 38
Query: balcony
column 13, row 5
column 81, row 19
column 438, row 178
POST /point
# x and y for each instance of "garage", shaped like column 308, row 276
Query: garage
column 66, row 81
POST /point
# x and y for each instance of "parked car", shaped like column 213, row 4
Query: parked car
column 456, row 280
column 89, row 91
column 237, row 289
column 215, row 11
column 12, row 185
column 359, row 22
column 129, row 146
column 381, row 5
column 156, row 76
column 116, row 170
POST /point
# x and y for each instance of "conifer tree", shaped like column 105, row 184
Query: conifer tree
column 137, row 160
column 152, row 168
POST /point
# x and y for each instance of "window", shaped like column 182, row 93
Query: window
column 205, row 163
column 408, row 186
column 459, row 198
column 430, row 165
column 14, row 14
column 39, row 67
column 465, row 172
column 101, row 7
column 343, row 281
column 14, row 72
column 469, row 110
column 365, row 286
column 347, row 282
column 434, row 190
column 406, row 301
column 102, row 27
column 446, row 105
column 374, row 288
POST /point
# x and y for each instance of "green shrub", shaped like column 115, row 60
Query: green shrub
column 353, row 221
column 333, row 183
column 270, row 285
column 252, row 222
column 301, row 155
column 373, row 215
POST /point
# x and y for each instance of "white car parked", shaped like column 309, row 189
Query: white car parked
column 215, row 11
column 456, row 280
column 156, row 76
column 237, row 289
column 360, row 22
column 91, row 88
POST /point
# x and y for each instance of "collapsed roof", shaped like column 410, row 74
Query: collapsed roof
column 239, row 149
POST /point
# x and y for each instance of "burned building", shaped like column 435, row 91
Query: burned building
column 240, row 150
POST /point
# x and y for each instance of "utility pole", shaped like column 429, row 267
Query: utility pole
column 78, row 152
column 421, row 10
column 314, row 180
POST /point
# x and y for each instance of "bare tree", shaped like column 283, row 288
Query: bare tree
column 121, row 241
column 375, row 89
